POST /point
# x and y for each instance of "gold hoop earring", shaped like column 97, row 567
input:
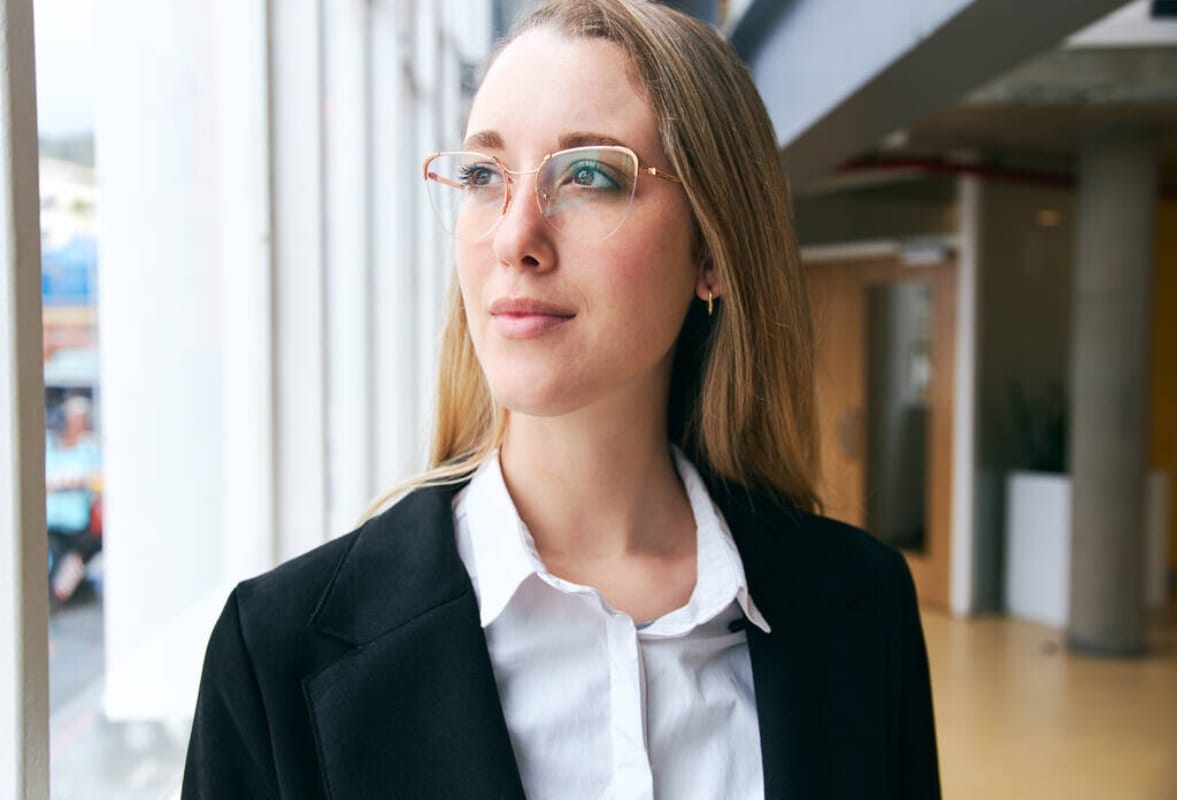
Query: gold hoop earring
column 710, row 304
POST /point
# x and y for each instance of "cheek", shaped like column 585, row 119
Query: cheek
column 471, row 281
column 465, row 257
column 645, row 304
column 654, row 278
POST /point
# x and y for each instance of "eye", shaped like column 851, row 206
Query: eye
column 478, row 176
column 590, row 174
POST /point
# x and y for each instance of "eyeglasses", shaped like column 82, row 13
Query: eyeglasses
column 584, row 191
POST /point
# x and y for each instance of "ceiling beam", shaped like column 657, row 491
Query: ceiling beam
column 837, row 77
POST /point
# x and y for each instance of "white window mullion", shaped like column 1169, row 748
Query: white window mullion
column 450, row 121
column 349, row 264
column 397, row 208
column 245, row 258
column 24, row 612
column 297, row 149
column 428, row 261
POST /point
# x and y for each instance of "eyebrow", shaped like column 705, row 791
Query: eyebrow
column 493, row 140
column 585, row 138
column 488, row 140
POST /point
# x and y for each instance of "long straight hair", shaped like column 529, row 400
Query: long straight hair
column 742, row 388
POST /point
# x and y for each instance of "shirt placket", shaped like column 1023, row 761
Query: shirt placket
column 632, row 779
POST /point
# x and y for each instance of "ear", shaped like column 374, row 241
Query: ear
column 707, row 281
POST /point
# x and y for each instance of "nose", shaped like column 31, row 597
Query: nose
column 523, row 237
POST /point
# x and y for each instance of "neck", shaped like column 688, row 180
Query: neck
column 598, row 488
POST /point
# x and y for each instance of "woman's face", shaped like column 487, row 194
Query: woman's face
column 561, row 323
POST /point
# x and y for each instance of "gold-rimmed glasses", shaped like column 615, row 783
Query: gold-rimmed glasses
column 583, row 191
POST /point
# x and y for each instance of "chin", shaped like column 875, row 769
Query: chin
column 535, row 404
column 550, row 395
column 541, row 384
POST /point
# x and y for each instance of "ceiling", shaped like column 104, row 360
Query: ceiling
column 1035, row 117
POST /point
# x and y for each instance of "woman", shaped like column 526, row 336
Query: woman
column 611, row 583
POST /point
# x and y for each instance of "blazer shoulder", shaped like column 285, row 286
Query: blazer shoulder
column 396, row 559
column 815, row 554
column 844, row 540
column 280, row 602
column 856, row 550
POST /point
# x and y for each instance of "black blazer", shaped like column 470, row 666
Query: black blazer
column 360, row 670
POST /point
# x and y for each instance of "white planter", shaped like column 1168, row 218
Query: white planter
column 1038, row 545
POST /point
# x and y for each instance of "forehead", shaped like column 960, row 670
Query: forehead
column 545, row 85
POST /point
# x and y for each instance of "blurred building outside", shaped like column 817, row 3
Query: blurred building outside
column 68, row 256
column 69, row 282
column 271, row 290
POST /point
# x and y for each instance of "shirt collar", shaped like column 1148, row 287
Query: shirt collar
column 720, row 577
column 505, row 554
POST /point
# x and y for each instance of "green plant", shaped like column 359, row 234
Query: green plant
column 1040, row 420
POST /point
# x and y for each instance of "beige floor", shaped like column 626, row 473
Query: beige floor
column 1017, row 716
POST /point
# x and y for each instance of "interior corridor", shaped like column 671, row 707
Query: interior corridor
column 1018, row 716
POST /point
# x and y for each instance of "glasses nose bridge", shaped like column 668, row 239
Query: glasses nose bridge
column 513, row 175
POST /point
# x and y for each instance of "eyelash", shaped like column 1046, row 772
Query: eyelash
column 468, row 173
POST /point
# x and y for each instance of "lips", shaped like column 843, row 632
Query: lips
column 527, row 317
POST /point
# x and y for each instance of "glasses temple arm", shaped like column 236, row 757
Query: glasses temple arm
column 433, row 176
column 664, row 175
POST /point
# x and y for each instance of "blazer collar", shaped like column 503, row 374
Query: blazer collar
column 783, row 556
column 402, row 564
column 412, row 710
column 812, row 599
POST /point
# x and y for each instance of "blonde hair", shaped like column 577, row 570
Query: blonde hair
column 741, row 398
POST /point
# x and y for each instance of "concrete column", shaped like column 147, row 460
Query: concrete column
column 1109, row 390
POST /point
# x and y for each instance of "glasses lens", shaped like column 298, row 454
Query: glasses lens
column 467, row 192
column 587, row 191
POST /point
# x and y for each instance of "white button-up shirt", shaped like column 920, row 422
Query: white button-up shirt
column 599, row 706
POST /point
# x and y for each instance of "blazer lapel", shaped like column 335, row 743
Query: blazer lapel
column 793, row 667
column 412, row 710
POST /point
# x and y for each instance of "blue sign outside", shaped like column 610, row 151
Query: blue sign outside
column 69, row 274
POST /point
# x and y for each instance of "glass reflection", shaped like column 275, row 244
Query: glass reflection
column 898, row 412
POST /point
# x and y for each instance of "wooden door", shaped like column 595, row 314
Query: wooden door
column 885, row 342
